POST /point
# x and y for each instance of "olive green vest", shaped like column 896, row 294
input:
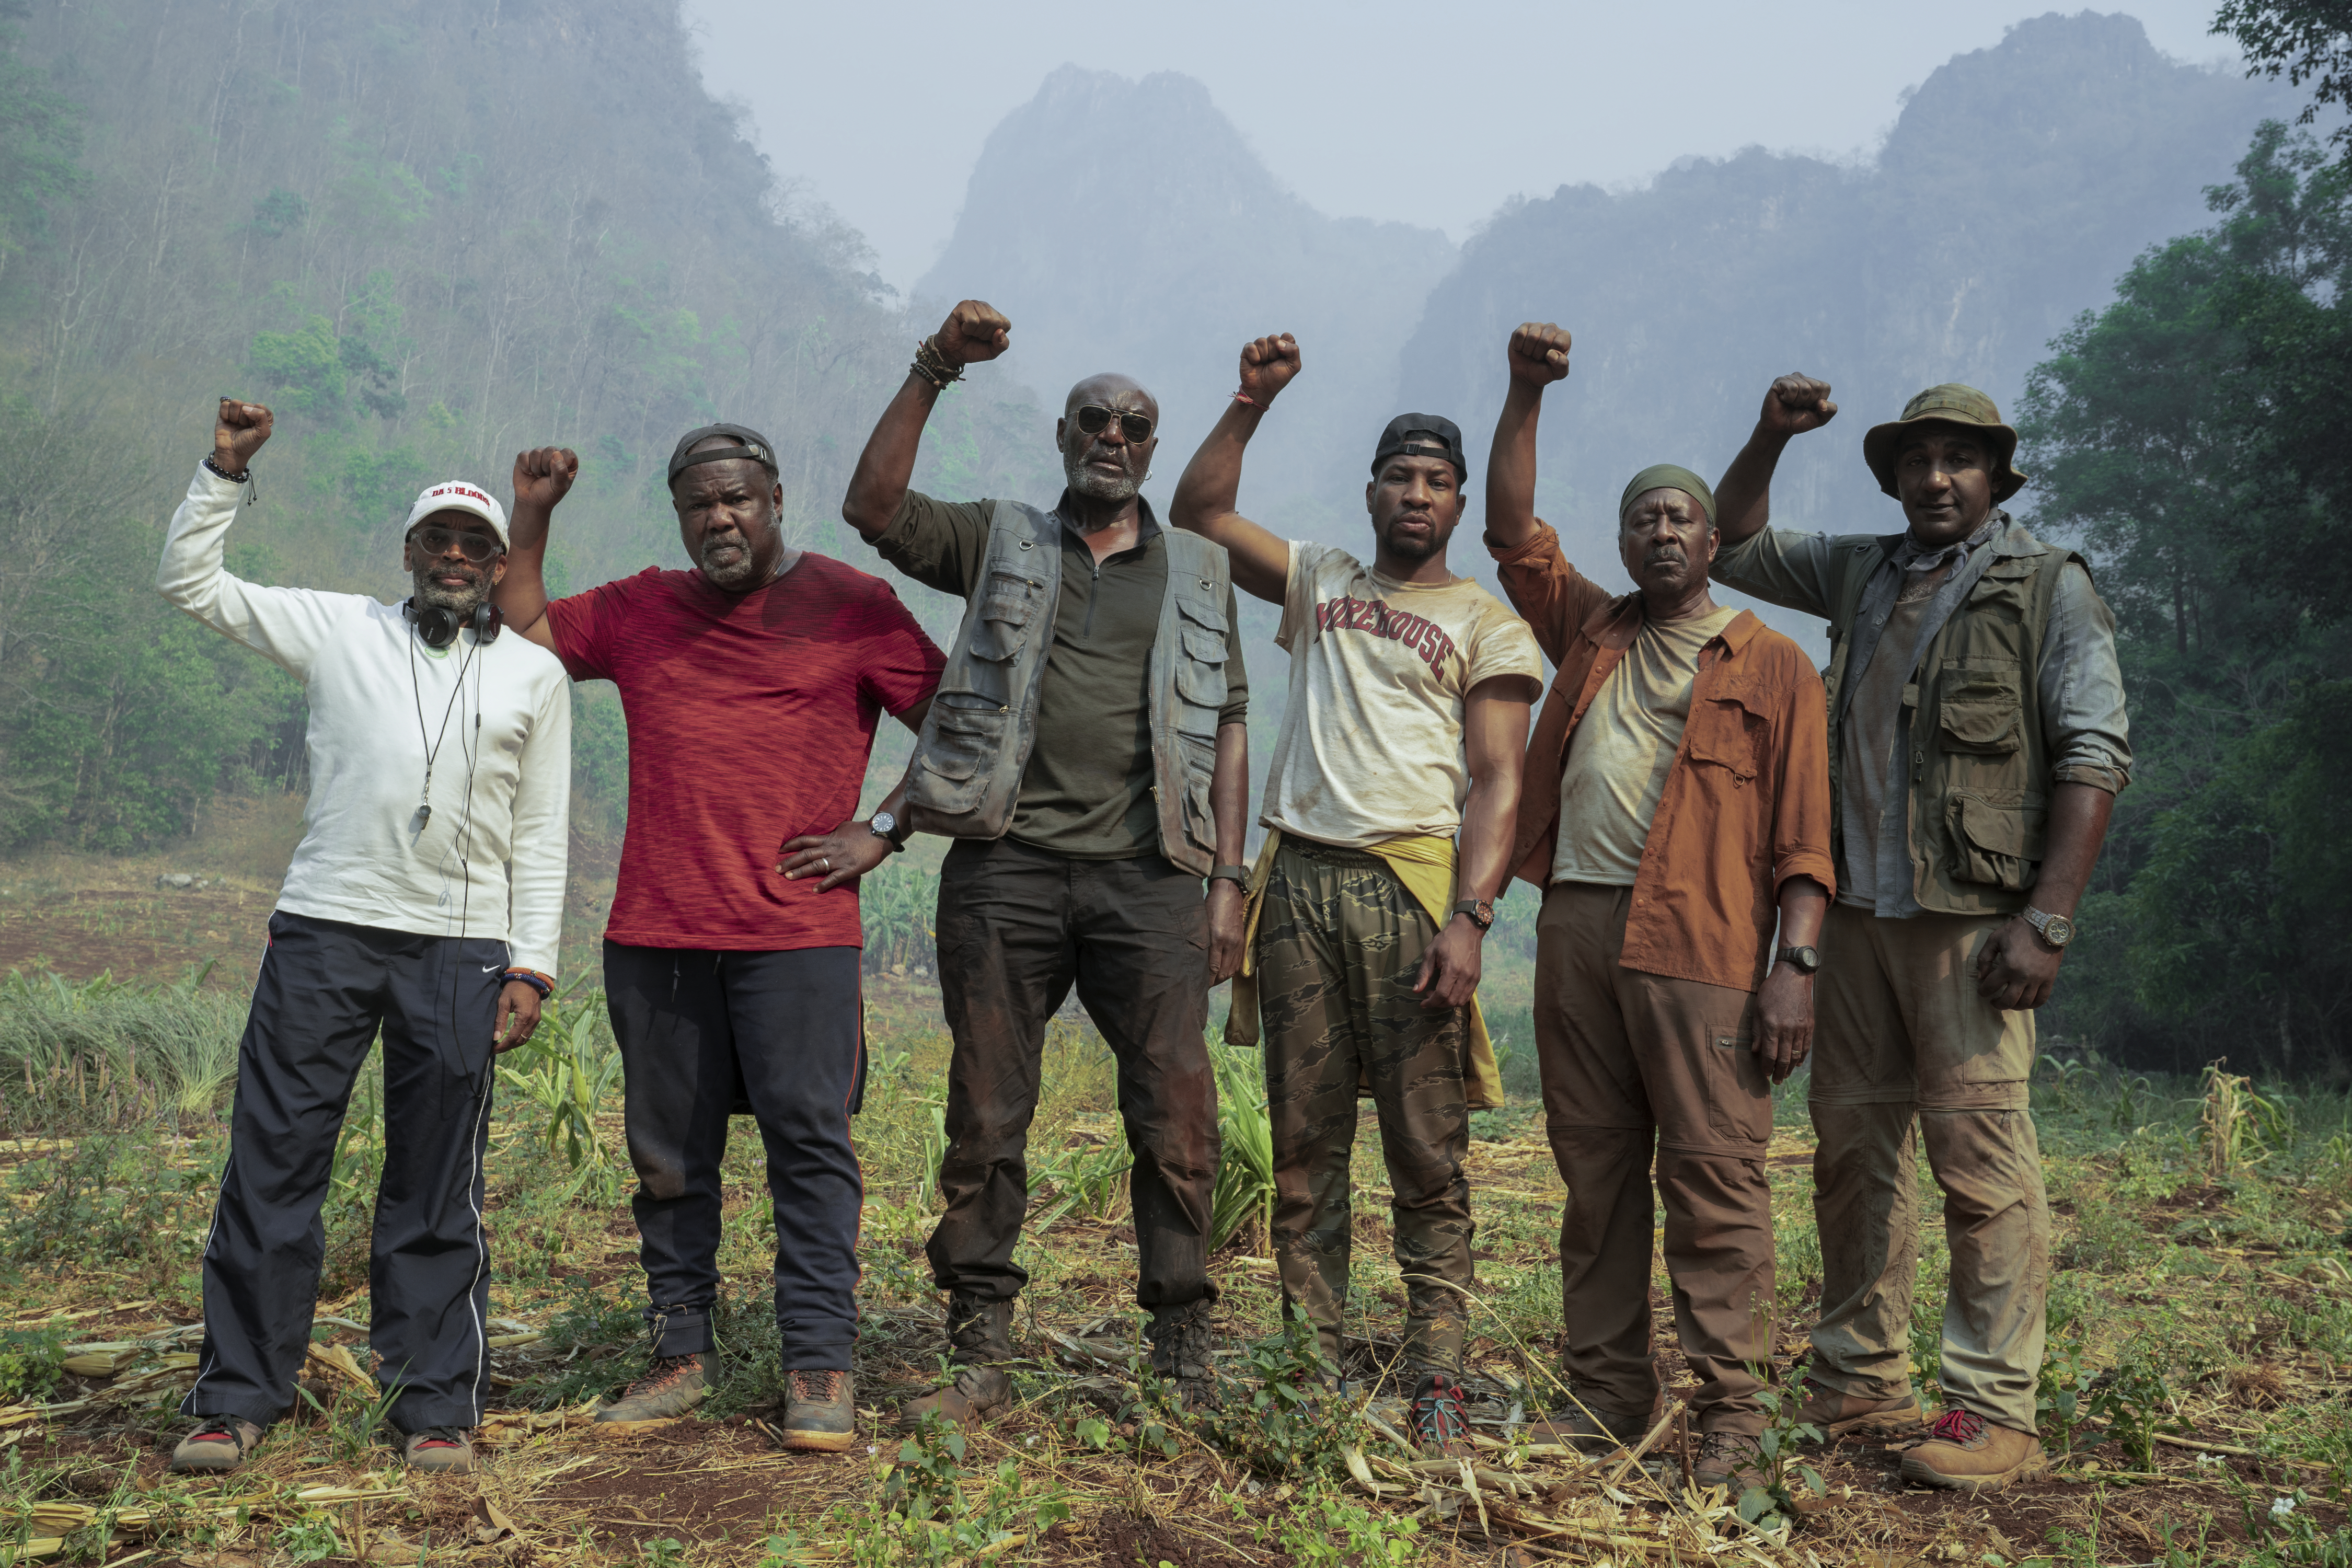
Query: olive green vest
column 1970, row 728
column 976, row 740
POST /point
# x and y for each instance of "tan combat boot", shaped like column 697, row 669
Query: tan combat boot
column 1968, row 1454
column 674, row 1386
column 980, row 1335
column 1837, row 1414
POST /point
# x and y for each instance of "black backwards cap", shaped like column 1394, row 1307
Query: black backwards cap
column 754, row 446
column 1422, row 435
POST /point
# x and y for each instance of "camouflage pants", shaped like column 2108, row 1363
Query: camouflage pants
column 1338, row 941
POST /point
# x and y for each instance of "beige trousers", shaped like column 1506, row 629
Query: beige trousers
column 1632, row 1062
column 1899, row 1032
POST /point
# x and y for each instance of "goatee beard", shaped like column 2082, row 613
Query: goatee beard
column 1098, row 487
column 460, row 601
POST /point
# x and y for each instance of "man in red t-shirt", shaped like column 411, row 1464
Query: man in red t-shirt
column 752, row 686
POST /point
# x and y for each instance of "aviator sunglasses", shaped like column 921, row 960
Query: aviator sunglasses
column 1094, row 420
column 475, row 547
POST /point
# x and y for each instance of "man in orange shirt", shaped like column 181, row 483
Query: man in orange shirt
column 1676, row 806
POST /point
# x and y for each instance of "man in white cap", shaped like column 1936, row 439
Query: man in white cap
column 425, row 901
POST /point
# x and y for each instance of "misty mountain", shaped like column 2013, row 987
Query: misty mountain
column 2017, row 184
column 1127, row 225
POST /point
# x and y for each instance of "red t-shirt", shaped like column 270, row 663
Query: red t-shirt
column 751, row 718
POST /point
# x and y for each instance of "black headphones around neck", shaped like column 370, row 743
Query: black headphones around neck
column 439, row 628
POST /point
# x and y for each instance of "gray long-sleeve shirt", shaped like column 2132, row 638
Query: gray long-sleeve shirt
column 2079, row 677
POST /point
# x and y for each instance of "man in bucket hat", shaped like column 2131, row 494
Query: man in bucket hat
column 1677, row 811
column 1976, row 742
column 425, row 902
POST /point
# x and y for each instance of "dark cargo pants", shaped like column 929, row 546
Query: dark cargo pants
column 1017, row 928
column 325, row 989
column 1340, row 941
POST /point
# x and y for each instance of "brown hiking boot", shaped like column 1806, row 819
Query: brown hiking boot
column 1183, row 1351
column 437, row 1449
column 1837, row 1414
column 1594, row 1430
column 980, row 1334
column 1969, row 1454
column 821, row 1416
column 1722, row 1456
column 676, row 1384
column 219, row 1443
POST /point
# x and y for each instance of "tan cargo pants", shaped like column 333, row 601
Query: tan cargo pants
column 1632, row 1059
column 1899, row 1031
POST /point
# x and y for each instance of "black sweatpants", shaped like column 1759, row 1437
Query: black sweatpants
column 325, row 989
column 784, row 1032
column 1018, row 927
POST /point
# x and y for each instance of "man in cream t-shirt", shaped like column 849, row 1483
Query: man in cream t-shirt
column 1407, row 719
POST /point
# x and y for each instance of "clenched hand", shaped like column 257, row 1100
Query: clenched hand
column 1795, row 405
column 1269, row 364
column 239, row 431
column 974, row 331
column 1538, row 353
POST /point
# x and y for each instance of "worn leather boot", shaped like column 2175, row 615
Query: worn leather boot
column 1969, row 1454
column 821, row 1412
column 1185, row 1352
column 1837, row 1414
column 675, row 1386
column 1591, row 1428
column 980, row 1334
column 1721, row 1456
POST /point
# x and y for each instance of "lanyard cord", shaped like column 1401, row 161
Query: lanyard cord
column 433, row 745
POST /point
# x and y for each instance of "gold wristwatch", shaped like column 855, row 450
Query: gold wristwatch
column 2056, row 929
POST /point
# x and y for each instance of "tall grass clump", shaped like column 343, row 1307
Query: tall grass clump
column 106, row 1053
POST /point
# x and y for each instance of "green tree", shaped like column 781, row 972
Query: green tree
column 40, row 139
column 2304, row 40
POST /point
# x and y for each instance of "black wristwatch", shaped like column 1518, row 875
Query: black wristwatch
column 884, row 825
column 1807, row 960
column 1480, row 910
column 1237, row 875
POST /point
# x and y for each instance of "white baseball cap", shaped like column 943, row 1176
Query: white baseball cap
column 456, row 495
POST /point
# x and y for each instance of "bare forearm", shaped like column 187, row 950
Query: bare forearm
column 1511, row 467
column 887, row 464
column 1210, row 490
column 1229, row 793
column 1743, row 497
column 521, row 594
column 1804, row 905
column 2078, row 827
column 1489, row 818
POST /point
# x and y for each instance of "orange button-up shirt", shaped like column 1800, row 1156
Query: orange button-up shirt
column 1747, row 801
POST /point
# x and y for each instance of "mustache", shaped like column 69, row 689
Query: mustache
column 1664, row 556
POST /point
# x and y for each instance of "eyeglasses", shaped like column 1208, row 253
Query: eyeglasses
column 1094, row 420
column 475, row 547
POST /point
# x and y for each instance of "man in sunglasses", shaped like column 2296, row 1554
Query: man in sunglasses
column 425, row 901
column 753, row 683
column 1088, row 750
column 1400, row 741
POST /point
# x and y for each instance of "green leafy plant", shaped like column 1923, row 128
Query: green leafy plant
column 1770, row 1503
column 929, row 1513
column 1291, row 1422
column 32, row 1363
column 1324, row 1528
column 2133, row 1400
column 1244, row 1189
column 567, row 1070
column 2062, row 1393
column 309, row 1539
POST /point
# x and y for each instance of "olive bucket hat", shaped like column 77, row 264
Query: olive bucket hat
column 1950, row 403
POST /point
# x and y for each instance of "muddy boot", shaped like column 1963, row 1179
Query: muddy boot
column 676, row 1384
column 1837, row 1414
column 1185, row 1352
column 980, row 1336
column 821, row 1416
column 1591, row 1428
column 1721, row 1456
column 218, row 1442
column 1969, row 1454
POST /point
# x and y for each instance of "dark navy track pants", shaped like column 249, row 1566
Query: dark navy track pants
column 325, row 989
column 781, row 1034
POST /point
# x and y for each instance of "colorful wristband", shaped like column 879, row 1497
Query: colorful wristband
column 533, row 978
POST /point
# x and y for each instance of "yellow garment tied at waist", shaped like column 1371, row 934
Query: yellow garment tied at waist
column 1425, row 866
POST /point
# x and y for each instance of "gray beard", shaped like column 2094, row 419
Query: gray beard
column 734, row 576
column 460, row 601
column 1095, row 486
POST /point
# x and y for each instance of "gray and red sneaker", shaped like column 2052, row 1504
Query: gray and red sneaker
column 1441, row 1423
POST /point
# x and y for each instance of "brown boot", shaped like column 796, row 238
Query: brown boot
column 1837, row 1414
column 1968, row 1453
column 675, row 1386
column 218, row 1442
column 980, row 1335
column 1721, row 1456
column 1591, row 1428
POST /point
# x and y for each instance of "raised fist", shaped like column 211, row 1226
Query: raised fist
column 1795, row 405
column 239, row 431
column 974, row 331
column 1538, row 353
column 1269, row 364
column 543, row 475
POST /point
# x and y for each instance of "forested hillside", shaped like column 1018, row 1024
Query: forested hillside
column 428, row 233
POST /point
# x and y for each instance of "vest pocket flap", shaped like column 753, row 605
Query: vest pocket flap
column 1996, row 843
column 1007, row 609
column 1202, row 686
column 1204, row 615
column 1980, row 708
column 1206, row 648
column 964, row 739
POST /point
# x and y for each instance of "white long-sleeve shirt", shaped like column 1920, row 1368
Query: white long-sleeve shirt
column 490, row 860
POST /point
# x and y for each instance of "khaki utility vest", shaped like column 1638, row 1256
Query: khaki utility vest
column 1973, row 752
column 976, row 740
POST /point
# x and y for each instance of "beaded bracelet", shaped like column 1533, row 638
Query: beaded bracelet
column 244, row 476
column 933, row 366
column 533, row 978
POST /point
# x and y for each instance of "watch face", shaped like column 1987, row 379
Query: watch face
column 884, row 824
column 2058, row 930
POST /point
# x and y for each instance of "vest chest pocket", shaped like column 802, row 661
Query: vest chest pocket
column 1008, row 606
column 1200, row 667
column 1982, row 709
column 967, row 735
column 2002, row 590
column 1724, row 732
column 1997, row 840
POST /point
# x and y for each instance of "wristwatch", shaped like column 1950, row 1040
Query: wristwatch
column 2056, row 929
column 1480, row 910
column 1237, row 875
column 884, row 825
column 1807, row 960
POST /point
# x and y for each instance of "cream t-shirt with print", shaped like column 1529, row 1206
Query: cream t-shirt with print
column 1371, row 747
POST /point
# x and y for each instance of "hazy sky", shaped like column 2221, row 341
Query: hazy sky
column 1433, row 114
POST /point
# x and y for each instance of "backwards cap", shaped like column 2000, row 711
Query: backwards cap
column 752, row 445
column 1422, row 435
